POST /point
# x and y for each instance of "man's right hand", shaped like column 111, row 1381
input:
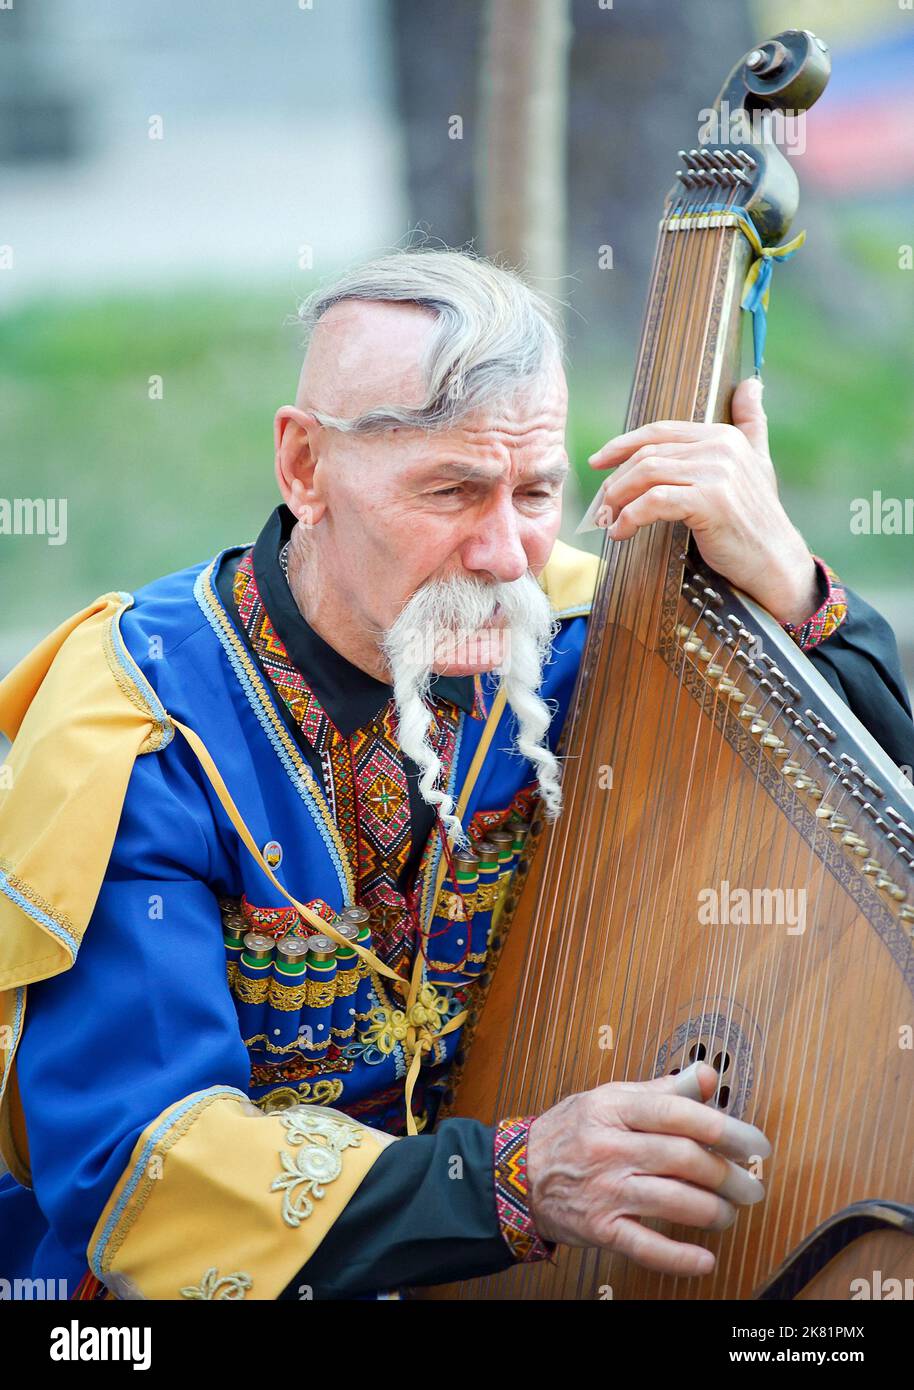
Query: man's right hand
column 599, row 1161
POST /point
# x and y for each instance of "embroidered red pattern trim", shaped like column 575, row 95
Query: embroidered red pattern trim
column 521, row 808
column 512, row 1193
column 827, row 618
column 283, row 921
column 363, row 778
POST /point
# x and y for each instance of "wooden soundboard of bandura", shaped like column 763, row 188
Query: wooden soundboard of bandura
column 733, row 765
column 617, row 978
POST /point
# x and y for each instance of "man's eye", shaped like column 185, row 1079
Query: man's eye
column 448, row 491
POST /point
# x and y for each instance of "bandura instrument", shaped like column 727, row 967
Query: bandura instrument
column 732, row 876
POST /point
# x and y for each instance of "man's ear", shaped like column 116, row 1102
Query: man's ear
column 295, row 434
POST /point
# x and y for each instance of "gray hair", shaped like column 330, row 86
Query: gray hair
column 494, row 334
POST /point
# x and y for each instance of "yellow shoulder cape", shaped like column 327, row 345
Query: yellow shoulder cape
column 570, row 579
column 79, row 711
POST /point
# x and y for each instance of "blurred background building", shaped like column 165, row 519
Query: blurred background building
column 175, row 177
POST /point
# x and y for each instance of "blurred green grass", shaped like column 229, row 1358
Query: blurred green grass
column 153, row 485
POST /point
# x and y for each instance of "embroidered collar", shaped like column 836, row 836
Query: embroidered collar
column 351, row 697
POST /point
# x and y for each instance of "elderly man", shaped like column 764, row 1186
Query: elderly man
column 232, row 996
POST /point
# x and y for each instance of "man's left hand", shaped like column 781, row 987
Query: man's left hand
column 719, row 480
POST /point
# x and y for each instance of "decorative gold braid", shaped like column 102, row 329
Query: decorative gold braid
column 347, row 982
column 323, row 1092
column 40, row 904
column 320, row 996
column 310, row 994
column 477, row 957
column 297, row 1047
column 287, row 999
column 252, row 991
column 160, row 733
column 487, row 896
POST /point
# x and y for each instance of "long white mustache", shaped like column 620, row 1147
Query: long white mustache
column 447, row 615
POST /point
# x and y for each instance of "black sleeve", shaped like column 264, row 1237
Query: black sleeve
column 424, row 1214
column 860, row 662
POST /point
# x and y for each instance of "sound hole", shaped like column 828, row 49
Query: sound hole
column 699, row 1053
column 714, row 1038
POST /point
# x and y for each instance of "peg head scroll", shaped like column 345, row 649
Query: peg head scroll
column 741, row 165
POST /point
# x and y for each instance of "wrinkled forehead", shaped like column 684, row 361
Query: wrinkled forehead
column 536, row 406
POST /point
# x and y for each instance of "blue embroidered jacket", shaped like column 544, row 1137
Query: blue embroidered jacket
column 150, row 1017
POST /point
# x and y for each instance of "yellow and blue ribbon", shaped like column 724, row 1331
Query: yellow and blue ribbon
column 757, row 285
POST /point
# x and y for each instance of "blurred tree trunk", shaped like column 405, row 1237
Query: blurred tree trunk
column 436, row 62
column 640, row 74
column 523, row 130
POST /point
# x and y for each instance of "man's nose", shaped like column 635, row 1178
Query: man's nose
column 496, row 544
